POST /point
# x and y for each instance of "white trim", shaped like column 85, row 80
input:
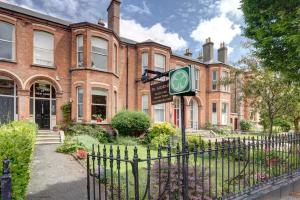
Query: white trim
column 8, row 17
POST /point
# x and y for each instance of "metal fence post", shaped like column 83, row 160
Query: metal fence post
column 6, row 182
column 135, row 171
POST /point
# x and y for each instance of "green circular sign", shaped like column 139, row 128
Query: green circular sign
column 179, row 80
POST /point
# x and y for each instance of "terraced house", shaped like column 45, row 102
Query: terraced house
column 46, row 62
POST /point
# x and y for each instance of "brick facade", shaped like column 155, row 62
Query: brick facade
column 124, row 87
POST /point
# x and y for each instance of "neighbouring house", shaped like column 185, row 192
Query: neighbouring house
column 46, row 62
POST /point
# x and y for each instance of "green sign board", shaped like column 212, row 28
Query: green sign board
column 181, row 81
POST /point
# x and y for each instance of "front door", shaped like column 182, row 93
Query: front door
column 42, row 113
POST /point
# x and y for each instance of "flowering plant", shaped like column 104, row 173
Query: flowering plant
column 81, row 154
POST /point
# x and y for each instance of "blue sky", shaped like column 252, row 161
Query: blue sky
column 179, row 24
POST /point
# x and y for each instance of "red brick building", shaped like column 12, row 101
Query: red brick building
column 46, row 62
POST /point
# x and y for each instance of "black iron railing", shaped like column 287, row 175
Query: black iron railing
column 5, row 182
column 218, row 170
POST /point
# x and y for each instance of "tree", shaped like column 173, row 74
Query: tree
column 274, row 28
column 292, row 113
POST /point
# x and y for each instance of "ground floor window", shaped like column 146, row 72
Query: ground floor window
column 79, row 103
column 159, row 113
column 224, row 113
column 214, row 119
column 8, row 100
column 194, row 114
column 145, row 103
column 177, row 112
column 99, row 103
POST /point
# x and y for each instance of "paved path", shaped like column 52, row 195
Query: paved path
column 55, row 176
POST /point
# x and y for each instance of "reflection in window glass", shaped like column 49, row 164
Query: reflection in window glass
column 99, row 101
column 43, row 48
column 79, row 103
column 99, row 53
column 7, row 41
column 80, row 51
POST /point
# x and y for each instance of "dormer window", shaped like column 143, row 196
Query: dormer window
column 80, row 51
column 43, row 48
column 7, row 41
column 99, row 53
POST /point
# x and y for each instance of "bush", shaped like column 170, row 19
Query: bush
column 69, row 147
column 160, row 134
column 245, row 125
column 86, row 141
column 196, row 140
column 66, row 111
column 130, row 123
column 95, row 131
column 283, row 124
column 17, row 141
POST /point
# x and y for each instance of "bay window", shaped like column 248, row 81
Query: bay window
column 225, row 87
column 159, row 63
column 43, row 48
column 159, row 112
column 79, row 103
column 145, row 103
column 7, row 41
column 144, row 62
column 99, row 53
column 80, row 51
column 99, row 103
column 214, row 80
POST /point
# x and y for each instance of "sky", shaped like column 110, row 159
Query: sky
column 179, row 24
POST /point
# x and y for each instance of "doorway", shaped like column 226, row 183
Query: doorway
column 42, row 113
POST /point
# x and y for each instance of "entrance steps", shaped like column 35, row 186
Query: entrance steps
column 48, row 137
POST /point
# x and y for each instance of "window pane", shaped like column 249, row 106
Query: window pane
column 145, row 103
column 80, row 59
column 6, row 109
column 43, row 40
column 42, row 90
column 6, row 31
column 214, row 107
column 214, row 75
column 99, row 45
column 53, row 107
column 6, row 49
column 159, row 112
column 80, row 95
column 116, row 59
column 160, row 61
column 99, row 99
column 6, row 87
column 43, row 57
column 53, row 92
column 80, row 110
column 144, row 61
column 99, row 61
column 31, row 106
column 98, row 110
column 80, row 43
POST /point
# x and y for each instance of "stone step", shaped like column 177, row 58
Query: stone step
column 42, row 143
column 47, row 138
column 43, row 136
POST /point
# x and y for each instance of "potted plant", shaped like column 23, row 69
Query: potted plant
column 98, row 118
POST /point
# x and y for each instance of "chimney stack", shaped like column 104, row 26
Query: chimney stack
column 222, row 53
column 200, row 57
column 208, row 51
column 114, row 16
column 188, row 53
column 101, row 22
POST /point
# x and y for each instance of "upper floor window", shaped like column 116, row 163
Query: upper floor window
column 225, row 86
column 80, row 51
column 115, row 59
column 214, row 80
column 145, row 103
column 43, row 48
column 144, row 61
column 7, row 41
column 197, row 76
column 99, row 53
column 160, row 63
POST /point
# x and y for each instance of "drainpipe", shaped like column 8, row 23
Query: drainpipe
column 127, row 76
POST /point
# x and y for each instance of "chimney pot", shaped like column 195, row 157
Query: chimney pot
column 222, row 53
column 101, row 22
column 188, row 53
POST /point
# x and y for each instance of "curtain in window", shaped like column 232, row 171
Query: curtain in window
column 99, row 53
column 159, row 113
column 43, row 48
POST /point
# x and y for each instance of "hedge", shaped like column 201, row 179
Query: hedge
column 17, row 141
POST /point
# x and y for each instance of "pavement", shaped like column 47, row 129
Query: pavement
column 56, row 176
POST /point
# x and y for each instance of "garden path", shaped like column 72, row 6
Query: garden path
column 55, row 176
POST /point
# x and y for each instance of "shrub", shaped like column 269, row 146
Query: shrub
column 160, row 134
column 66, row 111
column 17, row 141
column 283, row 124
column 95, row 131
column 69, row 147
column 126, row 140
column 245, row 125
column 196, row 140
column 130, row 123
column 86, row 141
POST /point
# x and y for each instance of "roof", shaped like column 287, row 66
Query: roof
column 33, row 13
column 187, row 58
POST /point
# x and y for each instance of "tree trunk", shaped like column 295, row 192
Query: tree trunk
column 271, row 127
column 296, row 125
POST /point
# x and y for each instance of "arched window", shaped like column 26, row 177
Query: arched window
column 193, row 114
column 43, row 48
column 7, row 41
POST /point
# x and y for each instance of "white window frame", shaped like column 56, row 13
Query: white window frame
column 224, row 87
column 159, row 107
column 49, row 50
column 96, row 104
column 197, row 79
column 160, row 68
column 145, row 61
column 145, row 105
column 13, row 53
column 177, row 112
column 214, row 115
column 214, row 82
column 79, row 103
column 224, row 115
column 78, row 51
column 103, row 68
column 194, row 113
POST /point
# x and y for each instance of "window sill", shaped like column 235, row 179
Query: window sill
column 43, row 66
column 8, row 61
column 93, row 69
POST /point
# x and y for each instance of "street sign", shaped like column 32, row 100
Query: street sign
column 182, row 81
column 160, row 93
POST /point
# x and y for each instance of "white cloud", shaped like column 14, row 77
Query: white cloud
column 135, row 31
column 136, row 9
column 230, row 7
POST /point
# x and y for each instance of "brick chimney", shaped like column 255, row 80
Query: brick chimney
column 114, row 16
column 188, row 53
column 208, row 50
column 222, row 53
